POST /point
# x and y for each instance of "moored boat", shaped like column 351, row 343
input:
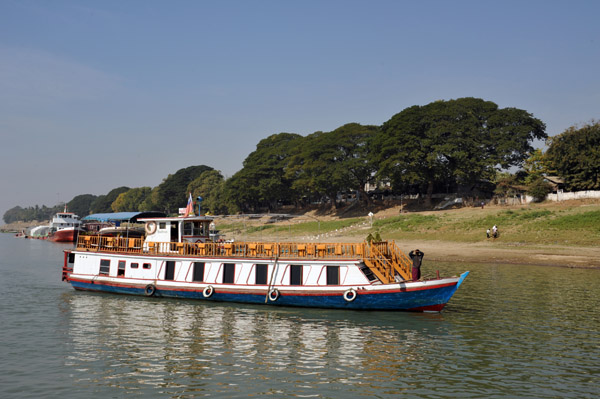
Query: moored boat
column 65, row 227
column 178, row 259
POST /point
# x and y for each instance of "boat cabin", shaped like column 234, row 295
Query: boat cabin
column 178, row 229
column 65, row 219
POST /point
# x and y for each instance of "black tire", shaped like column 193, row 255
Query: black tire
column 150, row 290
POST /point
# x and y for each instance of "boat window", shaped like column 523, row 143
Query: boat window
column 146, row 266
column 170, row 270
column 162, row 225
column 175, row 232
column 198, row 271
column 188, row 229
column 261, row 274
column 333, row 275
column 199, row 229
column 228, row 273
column 104, row 266
column 121, row 270
column 295, row 274
column 71, row 257
column 134, row 265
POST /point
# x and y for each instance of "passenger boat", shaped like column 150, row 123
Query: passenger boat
column 178, row 259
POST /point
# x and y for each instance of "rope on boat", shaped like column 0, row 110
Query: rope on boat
column 271, row 280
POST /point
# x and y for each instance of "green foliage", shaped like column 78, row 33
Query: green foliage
column 410, row 222
column 81, row 204
column 505, row 183
column 31, row 213
column 582, row 221
column 209, row 185
column 131, row 200
column 333, row 162
column 262, row 182
column 535, row 166
column 102, row 203
column 172, row 193
column 506, row 218
column 575, row 156
column 539, row 189
column 460, row 141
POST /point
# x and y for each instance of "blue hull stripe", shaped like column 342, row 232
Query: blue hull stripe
column 368, row 301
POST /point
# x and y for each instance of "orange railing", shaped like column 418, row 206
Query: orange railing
column 384, row 258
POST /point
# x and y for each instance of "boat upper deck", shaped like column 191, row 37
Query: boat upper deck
column 383, row 258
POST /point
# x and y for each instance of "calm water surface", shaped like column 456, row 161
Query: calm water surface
column 510, row 331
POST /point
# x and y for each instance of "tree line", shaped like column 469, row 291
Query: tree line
column 462, row 145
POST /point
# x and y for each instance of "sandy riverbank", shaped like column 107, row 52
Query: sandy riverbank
column 503, row 253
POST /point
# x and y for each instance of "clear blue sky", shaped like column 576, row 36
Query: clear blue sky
column 100, row 94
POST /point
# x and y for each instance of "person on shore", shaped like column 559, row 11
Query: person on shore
column 417, row 258
column 495, row 231
column 487, row 233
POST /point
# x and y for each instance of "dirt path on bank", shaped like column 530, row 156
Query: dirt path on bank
column 499, row 252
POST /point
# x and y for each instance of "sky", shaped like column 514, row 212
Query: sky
column 96, row 95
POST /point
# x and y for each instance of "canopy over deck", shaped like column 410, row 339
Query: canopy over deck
column 131, row 217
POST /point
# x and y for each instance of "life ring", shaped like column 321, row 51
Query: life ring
column 350, row 295
column 150, row 227
column 273, row 294
column 208, row 291
column 150, row 290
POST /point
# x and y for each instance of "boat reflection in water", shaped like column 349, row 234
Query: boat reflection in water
column 138, row 344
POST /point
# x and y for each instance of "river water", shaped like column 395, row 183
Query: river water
column 510, row 331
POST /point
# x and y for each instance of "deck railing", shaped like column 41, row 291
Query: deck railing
column 384, row 258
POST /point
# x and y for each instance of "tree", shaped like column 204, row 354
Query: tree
column 333, row 162
column 172, row 193
column 575, row 156
column 209, row 186
column 535, row 166
column 102, row 204
column 81, row 204
column 459, row 141
column 539, row 189
column 262, row 182
column 131, row 200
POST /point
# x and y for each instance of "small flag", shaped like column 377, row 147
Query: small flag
column 189, row 209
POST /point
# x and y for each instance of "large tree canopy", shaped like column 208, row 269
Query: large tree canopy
column 81, row 204
column 209, row 186
column 459, row 141
column 130, row 201
column 328, row 163
column 172, row 193
column 575, row 156
column 262, row 181
column 103, row 203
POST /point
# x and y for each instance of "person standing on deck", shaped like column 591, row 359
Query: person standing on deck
column 417, row 258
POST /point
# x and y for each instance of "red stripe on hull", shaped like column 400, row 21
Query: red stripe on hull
column 64, row 236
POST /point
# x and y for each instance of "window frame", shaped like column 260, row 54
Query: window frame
column 296, row 271
column 103, row 264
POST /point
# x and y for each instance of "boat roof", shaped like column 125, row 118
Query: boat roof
column 122, row 216
column 178, row 218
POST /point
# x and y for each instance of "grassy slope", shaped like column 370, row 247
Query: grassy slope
column 568, row 223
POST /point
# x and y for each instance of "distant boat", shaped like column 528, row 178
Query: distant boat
column 178, row 259
column 65, row 227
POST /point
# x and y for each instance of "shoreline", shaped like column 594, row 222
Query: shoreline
column 487, row 251
column 506, row 253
